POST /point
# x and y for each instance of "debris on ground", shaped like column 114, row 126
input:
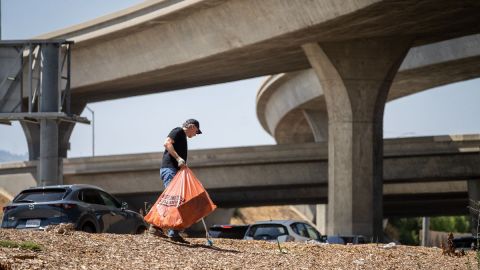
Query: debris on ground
column 62, row 228
column 449, row 249
column 389, row 245
column 81, row 250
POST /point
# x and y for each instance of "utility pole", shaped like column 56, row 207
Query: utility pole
column 0, row 19
column 425, row 231
column 51, row 100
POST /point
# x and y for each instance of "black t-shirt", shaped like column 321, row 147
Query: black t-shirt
column 180, row 145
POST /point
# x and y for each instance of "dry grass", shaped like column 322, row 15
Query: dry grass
column 77, row 250
column 108, row 251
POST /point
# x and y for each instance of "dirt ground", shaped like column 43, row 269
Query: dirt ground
column 79, row 250
column 66, row 249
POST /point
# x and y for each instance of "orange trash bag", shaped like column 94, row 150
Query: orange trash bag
column 184, row 202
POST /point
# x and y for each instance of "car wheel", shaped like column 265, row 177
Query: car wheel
column 88, row 228
column 141, row 230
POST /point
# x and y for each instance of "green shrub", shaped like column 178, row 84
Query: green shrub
column 407, row 229
column 23, row 245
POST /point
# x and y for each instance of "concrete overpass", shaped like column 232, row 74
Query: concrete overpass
column 422, row 176
column 296, row 99
column 172, row 45
column 355, row 48
column 292, row 106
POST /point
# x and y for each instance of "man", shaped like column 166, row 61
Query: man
column 175, row 157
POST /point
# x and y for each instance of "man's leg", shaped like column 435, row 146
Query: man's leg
column 167, row 175
column 154, row 230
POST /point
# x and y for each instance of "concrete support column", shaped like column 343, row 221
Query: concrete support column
column 48, row 140
column 321, row 218
column 50, row 166
column 473, row 187
column 318, row 122
column 32, row 134
column 355, row 76
column 65, row 129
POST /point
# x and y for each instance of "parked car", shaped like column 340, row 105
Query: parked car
column 465, row 242
column 89, row 208
column 346, row 239
column 228, row 231
column 283, row 230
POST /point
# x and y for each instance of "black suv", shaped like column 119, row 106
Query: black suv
column 465, row 242
column 228, row 231
column 90, row 208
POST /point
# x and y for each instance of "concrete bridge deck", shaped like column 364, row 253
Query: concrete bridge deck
column 288, row 100
column 180, row 44
column 430, row 172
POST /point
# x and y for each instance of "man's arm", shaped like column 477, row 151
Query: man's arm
column 169, row 146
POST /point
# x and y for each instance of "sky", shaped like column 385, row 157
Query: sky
column 226, row 111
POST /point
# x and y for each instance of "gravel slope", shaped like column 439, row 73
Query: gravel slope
column 78, row 250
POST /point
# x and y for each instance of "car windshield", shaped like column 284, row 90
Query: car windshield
column 232, row 232
column 267, row 231
column 305, row 230
column 41, row 195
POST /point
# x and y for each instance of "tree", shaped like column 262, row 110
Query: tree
column 405, row 230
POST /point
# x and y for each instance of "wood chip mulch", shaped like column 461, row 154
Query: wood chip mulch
column 79, row 250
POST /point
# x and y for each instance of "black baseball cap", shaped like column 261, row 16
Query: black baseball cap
column 195, row 123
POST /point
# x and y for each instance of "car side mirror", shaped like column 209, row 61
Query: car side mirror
column 124, row 206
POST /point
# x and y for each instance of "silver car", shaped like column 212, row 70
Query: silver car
column 283, row 231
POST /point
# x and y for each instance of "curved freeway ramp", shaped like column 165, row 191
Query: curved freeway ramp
column 166, row 45
column 297, row 99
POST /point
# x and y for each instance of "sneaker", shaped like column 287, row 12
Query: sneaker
column 156, row 231
column 179, row 239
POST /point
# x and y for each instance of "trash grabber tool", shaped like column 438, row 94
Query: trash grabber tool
column 209, row 242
